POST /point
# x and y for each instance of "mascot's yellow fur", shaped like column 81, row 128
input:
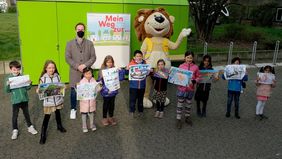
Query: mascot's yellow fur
column 154, row 27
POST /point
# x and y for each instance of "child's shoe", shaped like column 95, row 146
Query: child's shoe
column 157, row 113
column 32, row 130
column 263, row 117
column 112, row 121
column 178, row 123
column 188, row 120
column 15, row 133
column 73, row 114
column 105, row 122
column 140, row 114
column 227, row 115
column 237, row 116
column 161, row 115
column 85, row 130
column 94, row 128
column 131, row 114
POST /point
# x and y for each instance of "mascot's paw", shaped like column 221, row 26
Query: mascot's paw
column 185, row 32
column 147, row 103
column 167, row 101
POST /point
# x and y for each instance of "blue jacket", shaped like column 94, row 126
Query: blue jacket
column 136, row 84
column 236, row 85
column 105, row 91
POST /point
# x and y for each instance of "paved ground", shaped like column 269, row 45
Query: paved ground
column 211, row 137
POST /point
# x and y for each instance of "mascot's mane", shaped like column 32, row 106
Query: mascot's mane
column 139, row 26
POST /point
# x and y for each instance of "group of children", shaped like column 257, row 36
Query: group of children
column 19, row 96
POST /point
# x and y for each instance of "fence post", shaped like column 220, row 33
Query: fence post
column 205, row 48
column 230, row 52
column 254, row 52
column 276, row 52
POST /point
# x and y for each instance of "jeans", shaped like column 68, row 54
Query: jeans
column 136, row 94
column 109, row 106
column 16, row 108
column 73, row 98
column 233, row 95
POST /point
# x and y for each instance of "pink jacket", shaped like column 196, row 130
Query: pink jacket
column 196, row 74
column 87, row 105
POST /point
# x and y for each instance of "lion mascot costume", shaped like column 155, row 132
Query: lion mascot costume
column 155, row 27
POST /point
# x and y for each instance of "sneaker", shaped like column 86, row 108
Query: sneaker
column 112, row 121
column 32, row 130
column 263, row 117
column 85, row 130
column 73, row 114
column 105, row 122
column 140, row 114
column 94, row 128
column 157, row 113
column 161, row 115
column 132, row 115
column 227, row 115
column 15, row 134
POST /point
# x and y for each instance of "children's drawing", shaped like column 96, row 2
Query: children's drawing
column 139, row 72
column 111, row 78
column 266, row 78
column 19, row 81
column 162, row 74
column 234, row 72
column 47, row 90
column 87, row 91
column 206, row 76
column 180, row 76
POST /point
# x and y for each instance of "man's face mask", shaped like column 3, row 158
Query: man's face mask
column 80, row 34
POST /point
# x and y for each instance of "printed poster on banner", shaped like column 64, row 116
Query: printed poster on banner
column 111, row 78
column 110, row 34
column 234, row 72
column 180, row 76
column 47, row 90
column 19, row 81
column 139, row 72
column 207, row 76
column 266, row 78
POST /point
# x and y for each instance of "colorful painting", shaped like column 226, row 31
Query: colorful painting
column 111, row 78
column 19, row 81
column 162, row 74
column 139, row 72
column 266, row 78
column 207, row 76
column 47, row 90
column 180, row 76
column 87, row 91
column 234, row 72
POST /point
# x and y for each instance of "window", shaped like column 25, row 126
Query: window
column 279, row 14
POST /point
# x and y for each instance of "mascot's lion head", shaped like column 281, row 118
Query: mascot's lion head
column 153, row 23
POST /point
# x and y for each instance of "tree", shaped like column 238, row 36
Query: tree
column 205, row 13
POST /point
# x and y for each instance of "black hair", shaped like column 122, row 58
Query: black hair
column 187, row 53
column 161, row 60
column 138, row 52
column 210, row 61
column 80, row 24
column 87, row 69
column 15, row 64
column 236, row 59
column 262, row 69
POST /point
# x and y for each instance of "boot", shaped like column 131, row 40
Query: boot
column 43, row 135
column 59, row 122
column 178, row 123
column 188, row 120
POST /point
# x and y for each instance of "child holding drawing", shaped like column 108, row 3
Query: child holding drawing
column 234, row 90
column 203, row 87
column 160, row 87
column 109, row 96
column 88, row 106
column 19, row 99
column 185, row 94
column 50, row 104
column 264, row 88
